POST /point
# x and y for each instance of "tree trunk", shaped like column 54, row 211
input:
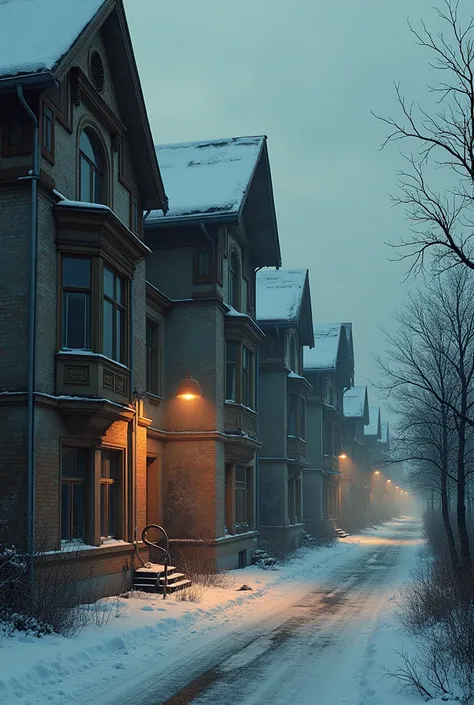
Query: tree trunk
column 465, row 550
column 445, row 497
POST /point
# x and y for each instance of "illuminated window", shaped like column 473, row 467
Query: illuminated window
column 109, row 490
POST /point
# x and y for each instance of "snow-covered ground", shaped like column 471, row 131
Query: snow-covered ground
column 322, row 624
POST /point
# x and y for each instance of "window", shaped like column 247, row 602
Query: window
column 109, row 475
column 152, row 357
column 302, row 420
column 47, row 132
column 234, row 281
column 114, row 334
column 91, row 170
column 76, row 278
column 231, row 371
column 134, row 215
column 15, row 134
column 247, row 379
column 292, row 414
column 74, row 462
column 243, row 497
column 328, row 440
column 329, row 393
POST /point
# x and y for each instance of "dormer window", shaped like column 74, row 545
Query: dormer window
column 234, row 281
column 91, row 170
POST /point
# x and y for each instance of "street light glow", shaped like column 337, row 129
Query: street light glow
column 389, row 481
column 342, row 456
column 376, row 472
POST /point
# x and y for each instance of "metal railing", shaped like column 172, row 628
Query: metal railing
column 164, row 551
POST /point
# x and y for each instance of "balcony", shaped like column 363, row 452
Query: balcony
column 240, row 419
column 296, row 448
column 331, row 462
column 84, row 374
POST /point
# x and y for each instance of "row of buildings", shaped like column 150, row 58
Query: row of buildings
column 157, row 364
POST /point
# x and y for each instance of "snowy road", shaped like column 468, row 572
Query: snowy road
column 320, row 647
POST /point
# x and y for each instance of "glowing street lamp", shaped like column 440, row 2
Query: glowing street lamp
column 376, row 472
column 389, row 482
column 189, row 388
column 342, row 456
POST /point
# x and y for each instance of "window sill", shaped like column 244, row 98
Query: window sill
column 154, row 399
column 89, row 374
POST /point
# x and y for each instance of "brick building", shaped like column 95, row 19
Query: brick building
column 221, row 227
column 72, row 280
column 284, row 314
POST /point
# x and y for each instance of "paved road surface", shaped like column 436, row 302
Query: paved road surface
column 317, row 651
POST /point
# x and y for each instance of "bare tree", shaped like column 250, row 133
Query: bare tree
column 441, row 137
column 430, row 377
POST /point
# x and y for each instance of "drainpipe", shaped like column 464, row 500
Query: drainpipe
column 209, row 237
column 257, row 454
column 33, row 177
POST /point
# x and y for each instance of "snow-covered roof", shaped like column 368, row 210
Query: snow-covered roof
column 354, row 402
column 280, row 294
column 207, row 177
column 373, row 428
column 36, row 34
column 326, row 346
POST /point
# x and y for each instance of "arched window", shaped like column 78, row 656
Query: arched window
column 91, row 170
column 234, row 281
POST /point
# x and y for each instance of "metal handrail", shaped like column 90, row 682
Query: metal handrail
column 164, row 551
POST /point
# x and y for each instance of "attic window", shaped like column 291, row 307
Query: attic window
column 97, row 71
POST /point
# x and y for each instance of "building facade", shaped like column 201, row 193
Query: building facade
column 356, row 482
column 284, row 314
column 72, row 286
column 329, row 368
column 220, row 228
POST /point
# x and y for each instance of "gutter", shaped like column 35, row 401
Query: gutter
column 31, row 468
column 38, row 81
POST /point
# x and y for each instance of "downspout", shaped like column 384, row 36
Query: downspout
column 31, row 470
column 257, row 454
column 136, row 402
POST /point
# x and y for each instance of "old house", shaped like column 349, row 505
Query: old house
column 284, row 314
column 329, row 368
column 202, row 448
column 77, row 169
column 356, row 468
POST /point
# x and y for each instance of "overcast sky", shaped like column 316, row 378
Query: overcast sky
column 307, row 74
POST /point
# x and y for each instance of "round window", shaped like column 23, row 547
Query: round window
column 97, row 71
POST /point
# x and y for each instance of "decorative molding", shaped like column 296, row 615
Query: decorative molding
column 74, row 374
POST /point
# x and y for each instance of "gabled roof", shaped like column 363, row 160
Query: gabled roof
column 40, row 41
column 283, row 299
column 374, row 427
column 36, row 34
column 356, row 404
column 330, row 344
column 222, row 181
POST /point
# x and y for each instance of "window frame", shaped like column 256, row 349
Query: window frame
column 47, row 153
column 153, row 357
column 235, row 364
column 234, row 288
column 243, row 499
column 71, row 482
column 136, row 228
column 248, row 378
column 96, row 324
column 116, row 484
column 99, row 150
column 206, row 277
column 122, row 357
column 69, row 289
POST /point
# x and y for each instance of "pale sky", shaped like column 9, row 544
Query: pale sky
column 307, row 74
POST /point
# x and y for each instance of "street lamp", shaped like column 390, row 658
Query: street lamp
column 188, row 388
column 342, row 456
column 389, row 481
column 376, row 472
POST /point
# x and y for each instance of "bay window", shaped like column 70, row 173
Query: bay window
column 231, row 371
column 296, row 416
column 114, row 311
column 247, row 378
column 76, row 281
column 292, row 414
